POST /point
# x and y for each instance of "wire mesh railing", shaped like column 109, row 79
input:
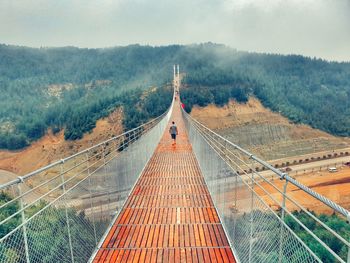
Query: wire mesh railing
column 268, row 219
column 60, row 213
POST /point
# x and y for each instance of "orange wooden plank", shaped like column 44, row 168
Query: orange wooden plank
column 230, row 255
column 202, row 235
column 166, row 236
column 120, row 255
column 145, row 236
column 114, row 255
column 212, row 255
column 150, row 237
column 213, row 235
column 224, row 255
column 169, row 216
column 188, row 255
column 166, row 256
column 200, row 255
column 161, row 236
column 194, row 255
column 177, row 257
column 140, row 236
column 197, row 236
column 148, row 256
column 160, row 255
column 156, row 235
column 137, row 256
column 132, row 255
column 218, row 255
column 143, row 255
column 206, row 255
column 125, row 256
column 154, row 255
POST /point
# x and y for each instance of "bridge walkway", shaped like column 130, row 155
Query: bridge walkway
column 169, row 215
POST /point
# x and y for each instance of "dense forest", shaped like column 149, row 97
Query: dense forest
column 267, row 235
column 70, row 88
column 335, row 222
column 305, row 90
column 47, row 227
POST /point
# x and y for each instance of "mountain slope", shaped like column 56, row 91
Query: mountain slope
column 264, row 132
column 53, row 147
column 71, row 88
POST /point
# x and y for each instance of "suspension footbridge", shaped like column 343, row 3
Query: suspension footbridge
column 140, row 198
column 169, row 216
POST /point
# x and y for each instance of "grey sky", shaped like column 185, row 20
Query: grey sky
column 318, row 28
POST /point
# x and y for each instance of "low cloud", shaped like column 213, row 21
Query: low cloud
column 318, row 28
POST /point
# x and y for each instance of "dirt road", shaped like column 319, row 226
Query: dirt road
column 334, row 186
column 311, row 167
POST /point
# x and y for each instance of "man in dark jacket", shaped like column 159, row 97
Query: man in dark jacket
column 173, row 132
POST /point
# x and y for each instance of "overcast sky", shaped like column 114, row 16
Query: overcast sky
column 318, row 28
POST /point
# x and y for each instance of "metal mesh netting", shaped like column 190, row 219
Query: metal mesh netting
column 61, row 212
column 254, row 207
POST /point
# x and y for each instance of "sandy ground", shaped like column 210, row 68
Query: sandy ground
column 52, row 147
column 235, row 114
column 334, row 186
column 6, row 176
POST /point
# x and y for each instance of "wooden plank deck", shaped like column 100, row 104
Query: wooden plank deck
column 169, row 216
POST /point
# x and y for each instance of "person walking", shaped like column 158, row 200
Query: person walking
column 173, row 132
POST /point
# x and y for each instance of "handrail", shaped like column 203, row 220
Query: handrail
column 81, row 192
column 235, row 157
column 26, row 176
column 282, row 175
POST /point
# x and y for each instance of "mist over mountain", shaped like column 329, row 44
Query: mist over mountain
column 310, row 27
column 70, row 88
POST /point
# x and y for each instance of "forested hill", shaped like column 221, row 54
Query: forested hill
column 71, row 88
column 306, row 90
column 310, row 91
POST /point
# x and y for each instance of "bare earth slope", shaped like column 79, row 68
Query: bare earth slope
column 52, row 147
column 272, row 136
column 265, row 133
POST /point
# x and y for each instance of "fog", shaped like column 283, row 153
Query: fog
column 318, row 28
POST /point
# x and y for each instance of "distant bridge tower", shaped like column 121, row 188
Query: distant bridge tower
column 176, row 77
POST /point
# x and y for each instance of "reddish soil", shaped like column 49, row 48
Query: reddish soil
column 54, row 147
column 335, row 186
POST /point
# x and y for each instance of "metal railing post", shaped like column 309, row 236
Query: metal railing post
column 235, row 208
column 225, row 184
column 66, row 211
column 277, row 234
column 348, row 260
column 58, row 193
column 251, row 220
column 280, row 254
column 13, row 189
column 105, row 178
column 90, row 196
column 24, row 228
column 128, row 167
